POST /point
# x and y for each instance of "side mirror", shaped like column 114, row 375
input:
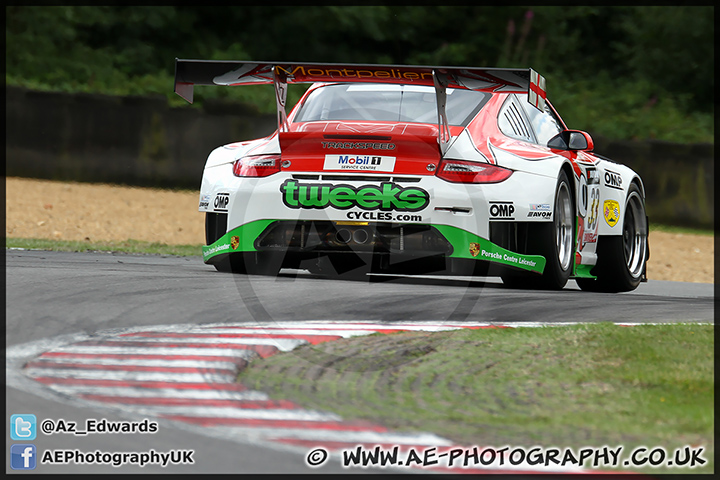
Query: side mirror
column 572, row 140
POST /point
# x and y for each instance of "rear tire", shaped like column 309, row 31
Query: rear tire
column 622, row 258
column 257, row 263
column 553, row 240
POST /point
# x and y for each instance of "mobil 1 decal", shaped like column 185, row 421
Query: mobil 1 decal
column 589, row 205
column 370, row 163
column 386, row 196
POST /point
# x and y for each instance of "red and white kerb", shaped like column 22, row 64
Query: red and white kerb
column 536, row 92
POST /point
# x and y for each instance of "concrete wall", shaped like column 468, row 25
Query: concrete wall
column 129, row 140
column 679, row 179
column 142, row 141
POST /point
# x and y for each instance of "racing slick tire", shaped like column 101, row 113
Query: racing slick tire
column 622, row 258
column 553, row 240
column 342, row 267
column 257, row 263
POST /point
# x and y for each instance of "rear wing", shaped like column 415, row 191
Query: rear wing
column 189, row 73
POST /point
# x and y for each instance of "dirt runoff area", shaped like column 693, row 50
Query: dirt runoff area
column 96, row 213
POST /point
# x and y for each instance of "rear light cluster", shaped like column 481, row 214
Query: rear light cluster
column 460, row 171
column 257, row 166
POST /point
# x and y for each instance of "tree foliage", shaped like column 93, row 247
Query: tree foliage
column 635, row 61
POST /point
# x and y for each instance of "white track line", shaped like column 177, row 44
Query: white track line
column 77, row 390
column 118, row 349
column 255, row 331
column 130, row 375
column 419, row 438
column 283, row 344
column 137, row 362
column 230, row 412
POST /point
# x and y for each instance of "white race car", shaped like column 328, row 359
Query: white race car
column 396, row 168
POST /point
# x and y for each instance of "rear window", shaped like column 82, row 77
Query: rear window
column 388, row 103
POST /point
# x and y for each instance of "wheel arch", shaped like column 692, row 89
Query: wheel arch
column 568, row 169
column 638, row 181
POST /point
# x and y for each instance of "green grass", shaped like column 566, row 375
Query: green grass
column 128, row 246
column 656, row 227
column 576, row 386
column 137, row 246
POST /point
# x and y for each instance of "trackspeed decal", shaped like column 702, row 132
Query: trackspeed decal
column 360, row 145
column 387, row 196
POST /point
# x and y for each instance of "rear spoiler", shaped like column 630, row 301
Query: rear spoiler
column 189, row 73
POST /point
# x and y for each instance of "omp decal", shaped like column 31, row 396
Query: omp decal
column 613, row 180
column 372, row 163
column 501, row 210
column 388, row 196
column 611, row 210
column 221, row 202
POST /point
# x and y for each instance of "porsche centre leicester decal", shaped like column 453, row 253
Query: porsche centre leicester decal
column 234, row 242
column 387, row 196
column 474, row 249
column 611, row 209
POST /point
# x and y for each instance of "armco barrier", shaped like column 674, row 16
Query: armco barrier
column 142, row 141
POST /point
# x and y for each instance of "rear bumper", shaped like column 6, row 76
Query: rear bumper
column 298, row 240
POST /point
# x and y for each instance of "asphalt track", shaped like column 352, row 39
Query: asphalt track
column 56, row 294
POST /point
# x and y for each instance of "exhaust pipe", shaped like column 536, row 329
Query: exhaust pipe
column 360, row 236
column 343, row 236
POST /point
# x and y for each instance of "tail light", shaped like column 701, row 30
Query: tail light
column 257, row 166
column 460, row 171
